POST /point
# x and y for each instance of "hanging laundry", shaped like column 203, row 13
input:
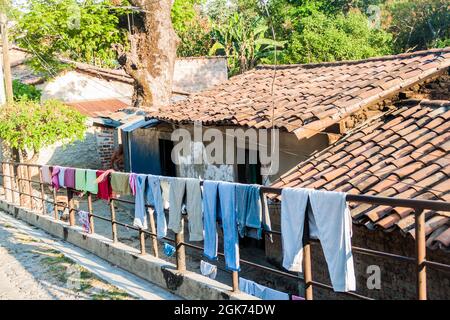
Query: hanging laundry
column 210, row 206
column 132, row 182
column 80, row 179
column 46, row 174
column 83, row 219
column 55, row 177
column 104, row 186
column 194, row 209
column 329, row 221
column 140, row 210
column 248, row 210
column 208, row 270
column 120, row 183
column 176, row 196
column 61, row 175
column 91, row 181
column 227, row 197
column 267, row 225
column 155, row 187
column 297, row 298
column 262, row 292
column 169, row 250
column 69, row 178
column 165, row 187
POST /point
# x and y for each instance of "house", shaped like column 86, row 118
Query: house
column 313, row 106
column 99, row 93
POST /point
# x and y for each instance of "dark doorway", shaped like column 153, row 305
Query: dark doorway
column 167, row 166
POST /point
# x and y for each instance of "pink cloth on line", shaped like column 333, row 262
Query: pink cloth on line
column 69, row 178
column 46, row 174
column 55, row 178
column 297, row 298
column 133, row 183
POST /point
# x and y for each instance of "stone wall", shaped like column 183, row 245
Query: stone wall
column 398, row 278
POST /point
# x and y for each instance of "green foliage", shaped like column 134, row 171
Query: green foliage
column 82, row 32
column 193, row 28
column 29, row 125
column 243, row 43
column 24, row 91
column 336, row 37
column 419, row 24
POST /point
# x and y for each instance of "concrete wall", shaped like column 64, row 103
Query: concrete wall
column 398, row 279
column 292, row 151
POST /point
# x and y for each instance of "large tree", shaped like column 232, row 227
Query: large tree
column 153, row 49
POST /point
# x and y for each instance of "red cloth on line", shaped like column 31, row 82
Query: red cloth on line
column 104, row 187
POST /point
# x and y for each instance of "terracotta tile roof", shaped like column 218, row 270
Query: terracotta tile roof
column 403, row 154
column 98, row 108
column 307, row 97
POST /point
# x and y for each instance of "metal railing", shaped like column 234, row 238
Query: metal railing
column 17, row 181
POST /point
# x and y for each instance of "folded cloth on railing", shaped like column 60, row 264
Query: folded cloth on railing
column 91, row 181
column 120, row 183
column 210, row 205
column 248, row 210
column 46, row 174
column 155, row 187
column 55, row 177
column 262, row 292
column 80, row 179
column 208, row 270
column 61, row 175
column 294, row 297
column 194, row 209
column 83, row 218
column 132, row 182
column 104, row 186
column 140, row 210
column 329, row 221
column 227, row 200
column 176, row 196
column 69, row 178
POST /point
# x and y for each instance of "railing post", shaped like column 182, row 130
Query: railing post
column 41, row 186
column 235, row 281
column 151, row 214
column 421, row 251
column 71, row 203
column 91, row 211
column 7, row 182
column 29, row 185
column 113, row 220
column 307, row 265
column 55, row 204
column 20, row 184
column 12, row 173
column 142, row 240
column 180, row 249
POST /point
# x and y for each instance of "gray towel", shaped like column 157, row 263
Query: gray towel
column 194, row 209
column 176, row 195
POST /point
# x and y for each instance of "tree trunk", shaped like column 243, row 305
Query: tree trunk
column 151, row 58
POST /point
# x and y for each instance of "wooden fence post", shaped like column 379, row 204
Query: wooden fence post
column 55, row 204
column 42, row 187
column 307, row 264
column 29, row 185
column 91, row 211
column 12, row 173
column 421, row 251
column 180, row 249
column 113, row 220
column 151, row 213
column 71, row 203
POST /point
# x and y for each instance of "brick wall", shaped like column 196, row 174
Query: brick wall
column 398, row 279
column 106, row 144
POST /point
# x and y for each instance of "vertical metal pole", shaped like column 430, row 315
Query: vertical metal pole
column 29, row 185
column 180, row 249
column 421, row 251
column 55, row 204
column 70, row 200
column 113, row 220
column 91, row 211
column 307, row 265
column 142, row 240
column 20, row 183
column 12, row 173
column 151, row 214
column 41, row 186
column 235, row 281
